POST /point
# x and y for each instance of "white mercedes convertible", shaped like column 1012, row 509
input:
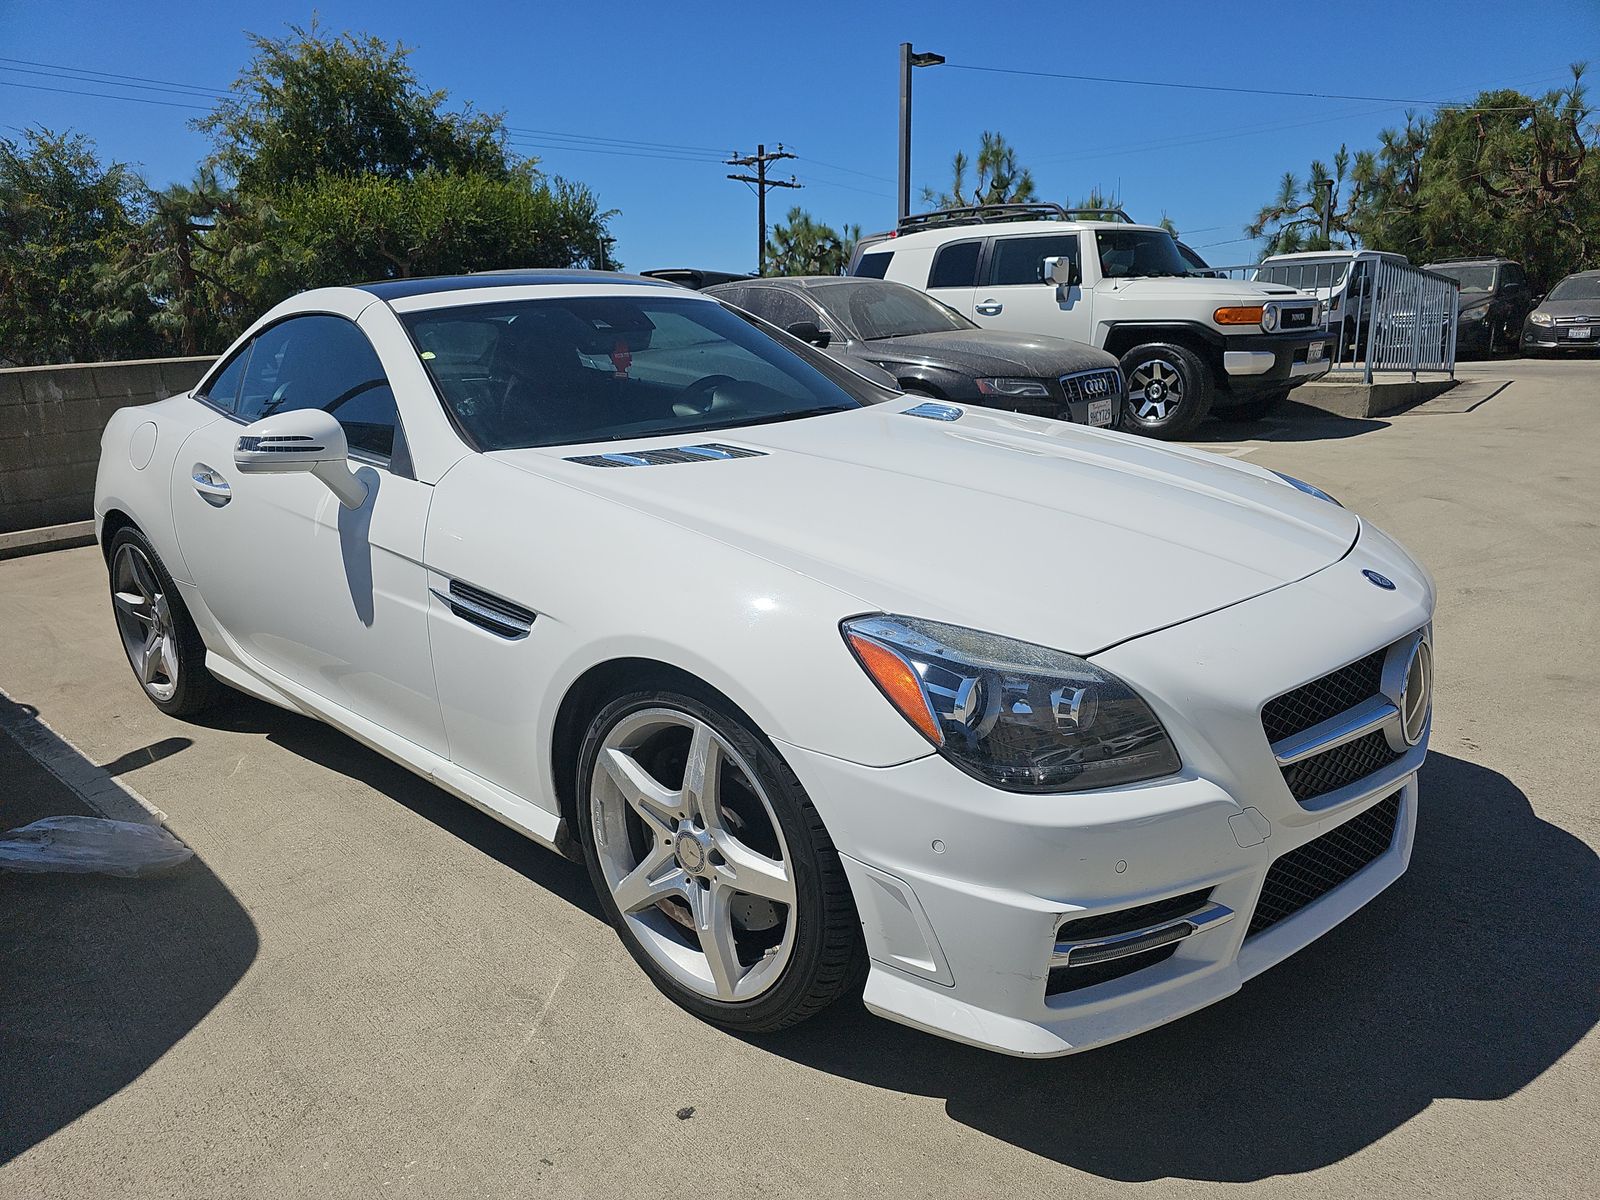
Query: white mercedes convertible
column 1034, row 735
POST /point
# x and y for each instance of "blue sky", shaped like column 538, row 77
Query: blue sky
column 670, row 85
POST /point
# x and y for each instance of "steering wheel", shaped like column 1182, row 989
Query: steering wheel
column 699, row 396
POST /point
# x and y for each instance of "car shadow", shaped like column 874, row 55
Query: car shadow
column 334, row 751
column 1467, row 979
column 1289, row 422
column 99, row 976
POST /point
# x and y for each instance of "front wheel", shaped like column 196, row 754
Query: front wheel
column 163, row 646
column 1169, row 390
column 712, row 865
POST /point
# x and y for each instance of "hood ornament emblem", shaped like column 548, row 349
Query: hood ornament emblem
column 1377, row 580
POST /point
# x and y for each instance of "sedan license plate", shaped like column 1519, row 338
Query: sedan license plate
column 1580, row 331
column 1316, row 350
column 1099, row 412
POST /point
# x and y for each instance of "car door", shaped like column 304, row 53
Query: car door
column 329, row 598
column 1016, row 294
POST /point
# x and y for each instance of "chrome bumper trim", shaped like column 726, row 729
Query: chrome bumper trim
column 1353, row 723
column 1122, row 945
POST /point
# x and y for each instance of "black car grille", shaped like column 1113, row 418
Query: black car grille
column 1334, row 769
column 1316, row 868
column 1092, row 385
column 1296, row 711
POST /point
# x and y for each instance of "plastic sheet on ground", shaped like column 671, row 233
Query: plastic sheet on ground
column 91, row 845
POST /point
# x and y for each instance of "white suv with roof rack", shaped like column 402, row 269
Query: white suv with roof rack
column 1187, row 343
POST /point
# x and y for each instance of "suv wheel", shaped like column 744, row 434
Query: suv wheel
column 1169, row 390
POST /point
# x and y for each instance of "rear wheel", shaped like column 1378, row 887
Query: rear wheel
column 712, row 865
column 161, row 641
column 1169, row 390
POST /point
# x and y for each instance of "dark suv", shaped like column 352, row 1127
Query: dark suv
column 1495, row 297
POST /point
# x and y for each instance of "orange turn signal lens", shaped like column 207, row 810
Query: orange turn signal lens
column 899, row 683
column 1249, row 314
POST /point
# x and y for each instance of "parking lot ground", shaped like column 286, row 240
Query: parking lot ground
column 361, row 987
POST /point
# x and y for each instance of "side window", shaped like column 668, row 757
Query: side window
column 874, row 266
column 223, row 391
column 1021, row 259
column 322, row 362
column 779, row 306
column 1511, row 276
column 955, row 265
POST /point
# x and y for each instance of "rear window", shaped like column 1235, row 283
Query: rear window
column 955, row 265
column 875, row 265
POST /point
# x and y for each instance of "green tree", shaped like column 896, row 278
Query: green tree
column 804, row 246
column 997, row 179
column 1294, row 219
column 63, row 214
column 309, row 103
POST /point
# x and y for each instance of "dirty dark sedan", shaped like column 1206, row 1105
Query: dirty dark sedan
column 934, row 351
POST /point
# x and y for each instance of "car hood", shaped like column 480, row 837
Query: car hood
column 1218, row 291
column 1031, row 528
column 990, row 352
column 1576, row 307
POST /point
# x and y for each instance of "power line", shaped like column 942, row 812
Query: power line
column 1217, row 87
column 590, row 137
column 759, row 161
column 557, row 147
column 111, row 75
column 39, row 87
column 143, row 87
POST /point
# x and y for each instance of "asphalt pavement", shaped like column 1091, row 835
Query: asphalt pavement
column 363, row 987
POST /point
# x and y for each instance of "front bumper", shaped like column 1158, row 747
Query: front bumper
column 962, row 888
column 1559, row 337
column 1271, row 362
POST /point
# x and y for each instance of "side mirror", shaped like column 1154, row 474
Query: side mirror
column 307, row 440
column 1062, row 272
column 1538, row 300
column 808, row 331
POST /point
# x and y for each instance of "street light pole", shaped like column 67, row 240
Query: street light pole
column 908, row 59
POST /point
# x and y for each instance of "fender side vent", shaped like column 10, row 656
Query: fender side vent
column 711, row 452
column 499, row 616
column 935, row 412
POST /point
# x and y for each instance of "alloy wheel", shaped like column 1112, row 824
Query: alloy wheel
column 1155, row 389
column 693, row 854
column 144, row 619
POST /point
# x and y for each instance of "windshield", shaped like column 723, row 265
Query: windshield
column 1307, row 274
column 1135, row 253
column 594, row 368
column 1577, row 287
column 887, row 310
column 1471, row 279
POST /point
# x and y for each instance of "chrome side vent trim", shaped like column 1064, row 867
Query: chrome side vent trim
column 499, row 616
column 1088, row 951
column 711, row 452
column 934, row 412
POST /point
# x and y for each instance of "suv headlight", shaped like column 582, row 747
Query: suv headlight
column 1541, row 318
column 1021, row 717
column 1012, row 387
column 1269, row 318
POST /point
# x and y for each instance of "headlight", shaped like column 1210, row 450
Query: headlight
column 1012, row 387
column 1309, row 489
column 1269, row 318
column 1541, row 318
column 1476, row 312
column 1018, row 716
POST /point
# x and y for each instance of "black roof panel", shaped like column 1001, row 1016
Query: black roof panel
column 398, row 289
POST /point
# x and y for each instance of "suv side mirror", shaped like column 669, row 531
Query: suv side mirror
column 308, row 440
column 808, row 331
column 1062, row 271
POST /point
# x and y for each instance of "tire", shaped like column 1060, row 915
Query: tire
column 158, row 635
column 1169, row 390
column 664, row 856
column 1255, row 408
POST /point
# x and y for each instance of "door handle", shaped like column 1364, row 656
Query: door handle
column 989, row 308
column 210, row 485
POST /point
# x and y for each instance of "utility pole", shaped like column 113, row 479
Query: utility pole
column 909, row 58
column 1327, row 209
column 759, row 161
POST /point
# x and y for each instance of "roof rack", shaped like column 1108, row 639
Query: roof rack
column 983, row 214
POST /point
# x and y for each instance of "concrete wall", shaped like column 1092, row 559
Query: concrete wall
column 50, row 424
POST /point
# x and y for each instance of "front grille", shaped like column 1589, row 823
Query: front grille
column 1092, row 385
column 1577, row 320
column 1297, row 711
column 1333, row 769
column 1321, row 865
column 1296, row 318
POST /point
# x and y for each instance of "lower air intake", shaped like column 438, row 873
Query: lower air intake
column 1321, row 865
